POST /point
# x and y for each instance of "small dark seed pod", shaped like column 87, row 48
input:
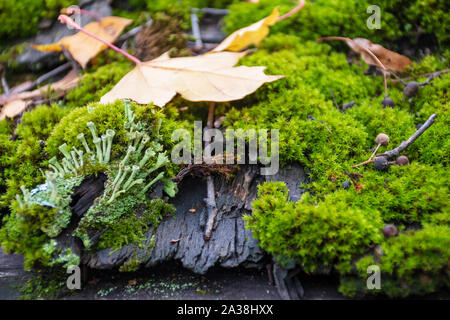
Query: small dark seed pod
column 382, row 139
column 402, row 160
column 346, row 184
column 380, row 164
column 388, row 102
column 390, row 230
column 411, row 89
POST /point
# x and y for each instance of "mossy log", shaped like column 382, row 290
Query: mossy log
column 181, row 237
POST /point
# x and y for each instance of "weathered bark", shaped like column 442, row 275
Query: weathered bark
column 230, row 245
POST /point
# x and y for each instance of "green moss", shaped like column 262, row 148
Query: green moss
column 131, row 265
column 320, row 18
column 95, row 84
column 44, row 214
column 51, row 284
column 132, row 227
column 21, row 18
column 416, row 262
column 21, row 158
column 21, row 233
column 410, row 197
column 323, row 235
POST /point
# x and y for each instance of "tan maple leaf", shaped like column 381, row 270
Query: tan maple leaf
column 210, row 77
column 83, row 47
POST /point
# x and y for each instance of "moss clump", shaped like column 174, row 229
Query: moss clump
column 20, row 19
column 94, row 85
column 136, row 161
column 133, row 226
column 414, row 263
column 410, row 197
column 324, row 235
column 320, row 18
column 22, row 156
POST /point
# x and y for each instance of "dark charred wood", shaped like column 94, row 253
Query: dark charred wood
column 85, row 194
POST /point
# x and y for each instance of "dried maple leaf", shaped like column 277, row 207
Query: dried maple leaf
column 251, row 35
column 209, row 77
column 389, row 59
column 83, row 47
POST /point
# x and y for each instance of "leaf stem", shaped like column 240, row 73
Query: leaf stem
column 66, row 19
column 299, row 7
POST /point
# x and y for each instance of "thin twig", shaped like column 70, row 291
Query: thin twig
column 3, row 80
column 71, row 59
column 334, row 99
column 431, row 74
column 395, row 152
column 133, row 32
column 363, row 163
column 196, row 31
column 310, row 117
column 299, row 7
column 211, row 197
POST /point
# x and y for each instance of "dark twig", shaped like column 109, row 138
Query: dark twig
column 204, row 169
column 334, row 99
column 71, row 60
column 310, row 117
column 46, row 76
column 432, row 75
column 133, row 32
column 396, row 152
column 211, row 197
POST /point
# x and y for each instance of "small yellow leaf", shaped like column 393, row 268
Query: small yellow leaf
column 47, row 47
column 82, row 47
column 251, row 35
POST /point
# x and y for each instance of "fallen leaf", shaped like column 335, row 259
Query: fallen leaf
column 12, row 109
column 209, row 77
column 192, row 210
column 175, row 240
column 390, row 59
column 251, row 35
column 82, row 47
column 59, row 87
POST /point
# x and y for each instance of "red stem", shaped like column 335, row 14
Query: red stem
column 299, row 7
column 66, row 19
